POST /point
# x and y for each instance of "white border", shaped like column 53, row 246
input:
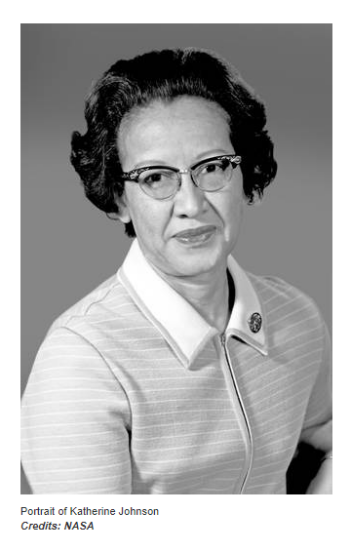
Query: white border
column 191, row 522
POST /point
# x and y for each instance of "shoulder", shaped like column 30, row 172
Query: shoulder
column 103, row 320
column 78, row 339
column 96, row 305
column 277, row 293
column 286, row 306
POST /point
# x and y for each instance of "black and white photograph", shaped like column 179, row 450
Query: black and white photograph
column 176, row 284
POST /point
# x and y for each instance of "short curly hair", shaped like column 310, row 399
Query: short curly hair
column 165, row 75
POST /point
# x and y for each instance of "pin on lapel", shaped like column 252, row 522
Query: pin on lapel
column 255, row 322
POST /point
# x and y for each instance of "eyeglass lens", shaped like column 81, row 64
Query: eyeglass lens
column 162, row 183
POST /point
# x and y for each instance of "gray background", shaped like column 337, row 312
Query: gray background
column 69, row 247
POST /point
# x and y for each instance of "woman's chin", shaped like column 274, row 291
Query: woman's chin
column 198, row 261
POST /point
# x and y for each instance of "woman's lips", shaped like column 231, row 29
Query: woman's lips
column 195, row 235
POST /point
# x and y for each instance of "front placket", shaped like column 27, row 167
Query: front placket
column 240, row 411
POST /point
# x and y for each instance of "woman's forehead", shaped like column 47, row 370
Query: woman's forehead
column 177, row 105
column 186, row 117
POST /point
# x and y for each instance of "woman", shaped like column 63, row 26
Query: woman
column 181, row 373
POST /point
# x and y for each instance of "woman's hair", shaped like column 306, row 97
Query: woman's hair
column 164, row 75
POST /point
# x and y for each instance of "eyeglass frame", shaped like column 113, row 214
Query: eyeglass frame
column 133, row 175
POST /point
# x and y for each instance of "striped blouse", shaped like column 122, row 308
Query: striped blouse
column 132, row 392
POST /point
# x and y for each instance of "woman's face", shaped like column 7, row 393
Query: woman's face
column 179, row 134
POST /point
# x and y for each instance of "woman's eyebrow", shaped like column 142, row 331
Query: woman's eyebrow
column 212, row 153
column 151, row 163
column 199, row 157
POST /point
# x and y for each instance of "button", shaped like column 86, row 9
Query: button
column 255, row 322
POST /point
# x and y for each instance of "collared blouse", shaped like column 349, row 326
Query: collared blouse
column 133, row 392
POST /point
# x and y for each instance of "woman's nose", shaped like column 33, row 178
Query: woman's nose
column 189, row 200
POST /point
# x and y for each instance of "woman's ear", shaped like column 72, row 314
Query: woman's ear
column 123, row 211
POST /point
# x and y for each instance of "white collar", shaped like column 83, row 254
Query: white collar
column 180, row 324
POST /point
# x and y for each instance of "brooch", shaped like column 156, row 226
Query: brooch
column 255, row 322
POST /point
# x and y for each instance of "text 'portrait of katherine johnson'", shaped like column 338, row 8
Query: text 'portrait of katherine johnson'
column 182, row 373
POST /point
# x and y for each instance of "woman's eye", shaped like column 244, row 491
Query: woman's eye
column 211, row 168
column 155, row 178
column 217, row 167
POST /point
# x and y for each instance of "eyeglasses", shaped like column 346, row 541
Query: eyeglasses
column 161, row 182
